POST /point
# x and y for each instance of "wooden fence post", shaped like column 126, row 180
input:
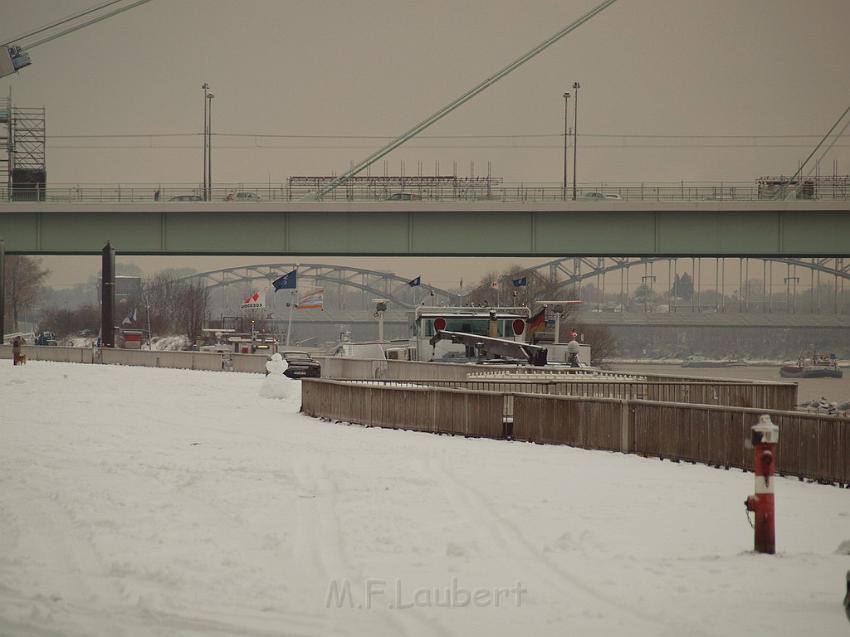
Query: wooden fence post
column 625, row 428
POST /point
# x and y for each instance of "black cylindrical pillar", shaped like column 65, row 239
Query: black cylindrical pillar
column 2, row 290
column 107, row 296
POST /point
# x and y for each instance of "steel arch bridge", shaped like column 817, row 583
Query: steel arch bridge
column 371, row 283
column 572, row 271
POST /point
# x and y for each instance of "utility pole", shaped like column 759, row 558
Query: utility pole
column 576, row 87
column 566, row 133
column 206, row 88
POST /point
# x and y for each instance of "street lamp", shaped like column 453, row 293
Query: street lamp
column 791, row 309
column 566, row 132
column 647, row 288
column 576, row 87
column 208, row 195
column 206, row 88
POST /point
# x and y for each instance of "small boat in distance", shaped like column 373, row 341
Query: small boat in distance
column 816, row 366
column 699, row 361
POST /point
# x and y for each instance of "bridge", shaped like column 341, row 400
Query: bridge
column 369, row 283
column 569, row 272
column 615, row 228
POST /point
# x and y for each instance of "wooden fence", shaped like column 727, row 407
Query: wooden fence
column 450, row 411
column 781, row 396
column 810, row 445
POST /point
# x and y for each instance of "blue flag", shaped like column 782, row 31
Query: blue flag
column 520, row 282
column 286, row 282
column 415, row 282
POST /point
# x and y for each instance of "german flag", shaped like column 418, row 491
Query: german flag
column 536, row 323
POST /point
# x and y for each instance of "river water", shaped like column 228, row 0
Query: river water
column 833, row 389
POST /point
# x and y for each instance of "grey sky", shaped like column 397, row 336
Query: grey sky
column 375, row 67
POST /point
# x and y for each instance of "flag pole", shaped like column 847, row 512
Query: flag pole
column 292, row 295
column 289, row 322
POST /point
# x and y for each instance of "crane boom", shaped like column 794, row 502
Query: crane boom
column 489, row 347
column 448, row 108
column 14, row 53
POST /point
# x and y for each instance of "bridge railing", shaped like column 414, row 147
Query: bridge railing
column 506, row 192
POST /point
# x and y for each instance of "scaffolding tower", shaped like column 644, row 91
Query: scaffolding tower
column 5, row 146
column 23, row 156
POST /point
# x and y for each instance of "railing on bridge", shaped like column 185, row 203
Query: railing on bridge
column 489, row 190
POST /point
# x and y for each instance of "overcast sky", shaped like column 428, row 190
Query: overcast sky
column 720, row 88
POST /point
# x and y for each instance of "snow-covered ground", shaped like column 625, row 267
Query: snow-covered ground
column 139, row 501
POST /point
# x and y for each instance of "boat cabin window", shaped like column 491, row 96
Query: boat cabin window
column 480, row 326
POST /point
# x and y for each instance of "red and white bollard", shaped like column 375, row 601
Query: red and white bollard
column 765, row 438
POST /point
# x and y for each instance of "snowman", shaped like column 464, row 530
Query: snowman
column 276, row 385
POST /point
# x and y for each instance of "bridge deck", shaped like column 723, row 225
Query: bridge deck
column 425, row 228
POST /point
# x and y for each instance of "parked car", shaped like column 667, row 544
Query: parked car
column 404, row 196
column 599, row 196
column 186, row 198
column 46, row 338
column 300, row 365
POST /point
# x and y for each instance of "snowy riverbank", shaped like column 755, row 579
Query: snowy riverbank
column 142, row 501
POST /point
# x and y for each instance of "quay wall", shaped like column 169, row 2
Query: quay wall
column 782, row 396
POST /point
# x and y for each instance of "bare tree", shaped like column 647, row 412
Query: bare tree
column 506, row 293
column 24, row 280
column 175, row 306
column 602, row 341
column 66, row 322
column 192, row 308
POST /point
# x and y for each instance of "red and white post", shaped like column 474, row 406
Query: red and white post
column 765, row 438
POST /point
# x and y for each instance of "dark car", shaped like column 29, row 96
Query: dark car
column 300, row 365
column 404, row 196
column 186, row 198
column 46, row 338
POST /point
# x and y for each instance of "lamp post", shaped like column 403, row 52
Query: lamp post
column 206, row 88
column 566, row 132
column 647, row 288
column 208, row 195
column 576, row 87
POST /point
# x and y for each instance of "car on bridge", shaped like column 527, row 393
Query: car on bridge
column 600, row 196
column 242, row 196
column 186, row 198
column 404, row 196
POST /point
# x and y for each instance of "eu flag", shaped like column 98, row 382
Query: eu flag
column 520, row 282
column 286, row 282
column 415, row 282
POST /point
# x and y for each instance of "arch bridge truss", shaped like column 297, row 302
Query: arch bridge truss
column 573, row 272
column 371, row 284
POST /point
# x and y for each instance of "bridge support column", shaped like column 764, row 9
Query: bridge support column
column 107, row 296
column 2, row 290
